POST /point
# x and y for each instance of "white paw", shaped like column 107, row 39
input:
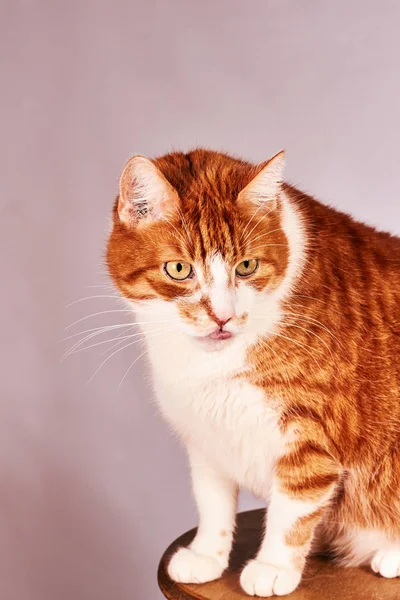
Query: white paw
column 262, row 579
column 186, row 566
column 387, row 563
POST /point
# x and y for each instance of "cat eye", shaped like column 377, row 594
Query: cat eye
column 178, row 270
column 247, row 267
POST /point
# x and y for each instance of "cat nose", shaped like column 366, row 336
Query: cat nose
column 222, row 323
column 221, row 320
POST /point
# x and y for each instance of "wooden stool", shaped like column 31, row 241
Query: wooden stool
column 321, row 581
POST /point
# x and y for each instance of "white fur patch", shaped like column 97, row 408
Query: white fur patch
column 297, row 240
column 221, row 296
column 187, row 566
column 387, row 562
column 260, row 579
column 360, row 545
column 196, row 391
column 229, row 421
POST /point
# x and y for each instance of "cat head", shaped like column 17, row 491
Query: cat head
column 205, row 239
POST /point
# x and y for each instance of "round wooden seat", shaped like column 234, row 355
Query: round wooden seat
column 321, row 580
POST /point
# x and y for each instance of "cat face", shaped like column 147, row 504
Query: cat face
column 201, row 239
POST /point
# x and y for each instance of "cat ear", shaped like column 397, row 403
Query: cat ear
column 266, row 185
column 144, row 192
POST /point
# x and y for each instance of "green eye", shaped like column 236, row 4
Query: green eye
column 247, row 267
column 178, row 270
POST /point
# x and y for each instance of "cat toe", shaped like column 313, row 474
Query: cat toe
column 261, row 579
column 387, row 563
column 186, row 566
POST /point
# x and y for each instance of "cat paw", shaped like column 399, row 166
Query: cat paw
column 186, row 566
column 262, row 579
column 387, row 563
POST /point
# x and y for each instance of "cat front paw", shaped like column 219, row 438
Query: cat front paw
column 262, row 579
column 186, row 566
column 387, row 563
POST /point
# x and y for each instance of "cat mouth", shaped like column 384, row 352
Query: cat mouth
column 220, row 334
column 217, row 335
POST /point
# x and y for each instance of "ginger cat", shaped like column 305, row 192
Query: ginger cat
column 278, row 364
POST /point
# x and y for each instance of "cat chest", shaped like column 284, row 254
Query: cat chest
column 232, row 423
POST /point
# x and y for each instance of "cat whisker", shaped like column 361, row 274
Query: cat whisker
column 184, row 223
column 142, row 303
column 117, row 344
column 311, row 320
column 289, row 339
column 324, row 302
column 131, row 366
column 121, row 336
column 100, row 329
column 96, row 331
column 103, row 312
column 250, row 220
column 310, row 297
column 258, row 222
column 135, row 361
column 115, row 297
column 300, row 316
column 108, row 287
column 171, row 233
column 180, row 236
column 269, row 245
column 120, row 350
column 263, row 235
column 82, row 341
column 291, row 324
column 264, row 343
column 126, row 337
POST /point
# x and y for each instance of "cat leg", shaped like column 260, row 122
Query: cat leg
column 304, row 482
column 207, row 556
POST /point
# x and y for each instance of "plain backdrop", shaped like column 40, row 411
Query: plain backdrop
column 93, row 486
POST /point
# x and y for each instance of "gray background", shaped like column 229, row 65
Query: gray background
column 93, row 485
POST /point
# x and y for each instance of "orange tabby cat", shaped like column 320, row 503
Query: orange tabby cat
column 273, row 330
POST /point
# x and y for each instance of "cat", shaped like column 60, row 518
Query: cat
column 272, row 326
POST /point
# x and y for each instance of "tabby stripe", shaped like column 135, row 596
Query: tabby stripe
column 309, row 485
column 303, row 528
column 307, row 451
column 132, row 277
column 301, row 412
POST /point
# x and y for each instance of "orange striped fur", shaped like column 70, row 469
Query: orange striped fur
column 330, row 369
